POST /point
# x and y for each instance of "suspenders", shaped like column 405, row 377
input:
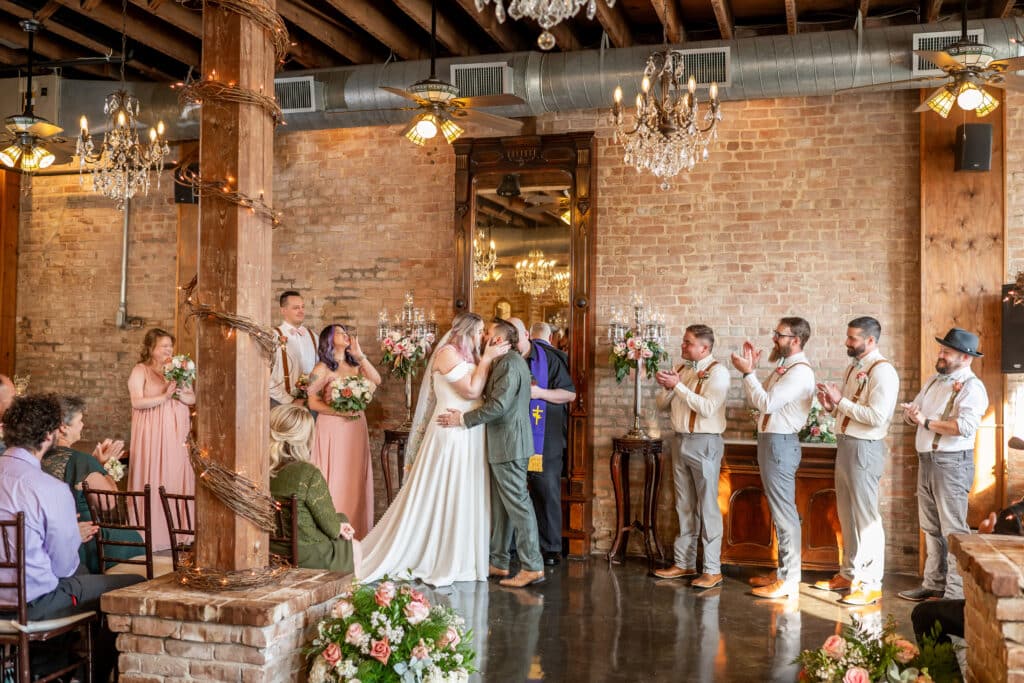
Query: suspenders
column 697, row 390
column 860, row 390
column 284, row 355
column 771, row 382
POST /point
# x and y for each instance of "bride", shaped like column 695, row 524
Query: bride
column 438, row 527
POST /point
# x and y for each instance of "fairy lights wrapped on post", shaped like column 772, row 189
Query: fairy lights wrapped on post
column 636, row 339
column 406, row 342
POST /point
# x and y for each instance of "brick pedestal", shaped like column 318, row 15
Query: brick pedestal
column 993, row 571
column 169, row 633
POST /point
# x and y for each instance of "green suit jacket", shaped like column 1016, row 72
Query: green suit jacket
column 506, row 410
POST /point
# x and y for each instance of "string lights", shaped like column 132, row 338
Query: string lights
column 268, row 340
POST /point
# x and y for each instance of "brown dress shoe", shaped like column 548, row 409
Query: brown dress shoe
column 674, row 572
column 836, row 583
column 762, row 581
column 779, row 589
column 860, row 596
column 524, row 578
column 496, row 571
column 706, row 581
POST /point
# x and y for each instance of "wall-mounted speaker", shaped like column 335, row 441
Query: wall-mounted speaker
column 973, row 147
column 1013, row 334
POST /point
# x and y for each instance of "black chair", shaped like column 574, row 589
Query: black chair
column 17, row 634
column 286, row 523
column 181, row 527
column 128, row 510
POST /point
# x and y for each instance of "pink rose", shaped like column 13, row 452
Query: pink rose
column 346, row 392
column 416, row 612
column 781, row 370
column 449, row 638
column 355, row 634
column 342, row 609
column 957, row 386
column 835, row 647
column 332, row 653
column 385, row 594
column 905, row 651
column 381, row 651
column 388, row 344
column 856, row 674
column 420, row 651
column 348, row 532
column 815, row 431
column 924, row 678
column 647, row 353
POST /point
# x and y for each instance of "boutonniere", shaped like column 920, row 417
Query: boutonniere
column 862, row 377
column 781, row 370
column 283, row 340
column 957, row 386
column 703, row 375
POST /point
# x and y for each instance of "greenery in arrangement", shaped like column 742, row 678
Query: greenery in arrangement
column 820, row 426
column 404, row 355
column 390, row 633
column 625, row 354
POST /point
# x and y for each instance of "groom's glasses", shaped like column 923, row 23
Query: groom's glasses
column 779, row 335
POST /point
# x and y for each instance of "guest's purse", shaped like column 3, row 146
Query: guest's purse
column 1010, row 521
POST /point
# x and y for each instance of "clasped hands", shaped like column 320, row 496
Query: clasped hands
column 108, row 450
column 748, row 360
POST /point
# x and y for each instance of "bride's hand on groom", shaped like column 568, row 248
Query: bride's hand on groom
column 496, row 350
column 453, row 418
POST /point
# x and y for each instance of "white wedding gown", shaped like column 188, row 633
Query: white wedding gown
column 438, row 527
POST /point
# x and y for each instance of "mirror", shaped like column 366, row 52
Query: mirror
column 533, row 197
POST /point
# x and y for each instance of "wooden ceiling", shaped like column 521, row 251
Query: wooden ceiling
column 165, row 35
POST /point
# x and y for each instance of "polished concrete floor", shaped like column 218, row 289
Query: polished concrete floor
column 594, row 622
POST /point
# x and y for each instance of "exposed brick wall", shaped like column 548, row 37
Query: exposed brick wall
column 1013, row 415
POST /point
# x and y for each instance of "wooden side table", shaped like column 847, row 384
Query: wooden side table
column 393, row 439
column 651, row 451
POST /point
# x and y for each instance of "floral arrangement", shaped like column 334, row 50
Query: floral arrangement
column 626, row 354
column 348, row 394
column 403, row 354
column 301, row 387
column 115, row 468
column 390, row 633
column 820, row 426
column 180, row 369
column 863, row 654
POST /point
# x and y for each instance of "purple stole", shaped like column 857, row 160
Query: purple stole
column 538, row 407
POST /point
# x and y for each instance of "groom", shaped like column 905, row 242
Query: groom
column 506, row 412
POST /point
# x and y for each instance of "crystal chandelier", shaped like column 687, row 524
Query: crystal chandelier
column 561, row 284
column 485, row 258
column 547, row 13
column 670, row 133
column 534, row 273
column 122, row 166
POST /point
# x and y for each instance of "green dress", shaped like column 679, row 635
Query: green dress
column 319, row 524
column 72, row 467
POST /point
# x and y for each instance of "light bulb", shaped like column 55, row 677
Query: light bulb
column 618, row 95
column 426, row 128
column 691, row 84
column 83, row 123
column 713, row 91
column 160, row 128
column 10, row 156
column 152, row 135
column 121, row 120
column 969, row 97
column 645, row 84
column 47, row 158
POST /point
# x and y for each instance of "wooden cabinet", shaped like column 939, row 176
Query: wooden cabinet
column 749, row 535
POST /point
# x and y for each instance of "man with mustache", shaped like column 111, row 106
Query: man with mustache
column 784, row 401
column 863, row 406
column 947, row 413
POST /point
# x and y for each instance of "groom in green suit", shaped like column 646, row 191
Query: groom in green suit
column 506, row 412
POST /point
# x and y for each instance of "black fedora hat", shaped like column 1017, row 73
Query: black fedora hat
column 961, row 340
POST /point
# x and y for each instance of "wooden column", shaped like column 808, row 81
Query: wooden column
column 10, row 199
column 963, row 244
column 236, row 145
column 188, row 262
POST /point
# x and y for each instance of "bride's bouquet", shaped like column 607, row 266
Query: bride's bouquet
column 180, row 369
column 348, row 394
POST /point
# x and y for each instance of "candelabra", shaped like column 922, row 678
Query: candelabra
column 406, row 341
column 636, row 342
column 547, row 13
column 533, row 274
column 561, row 282
column 485, row 258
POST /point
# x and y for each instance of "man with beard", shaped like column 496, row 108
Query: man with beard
column 947, row 413
column 863, row 407
column 784, row 401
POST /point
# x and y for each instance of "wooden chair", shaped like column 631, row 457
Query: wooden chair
column 286, row 519
column 127, row 510
column 18, row 633
column 181, row 527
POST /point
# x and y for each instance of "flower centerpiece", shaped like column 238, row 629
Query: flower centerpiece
column 820, row 426
column 625, row 353
column 390, row 632
column 349, row 394
column 864, row 654
column 404, row 354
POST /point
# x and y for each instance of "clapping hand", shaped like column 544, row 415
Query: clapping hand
column 912, row 414
column 108, row 450
column 829, row 395
column 668, row 379
column 748, row 361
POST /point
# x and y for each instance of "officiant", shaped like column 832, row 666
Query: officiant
column 550, row 394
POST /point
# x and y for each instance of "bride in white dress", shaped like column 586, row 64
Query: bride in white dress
column 438, row 527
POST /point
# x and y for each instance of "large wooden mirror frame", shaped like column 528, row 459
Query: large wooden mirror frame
column 574, row 154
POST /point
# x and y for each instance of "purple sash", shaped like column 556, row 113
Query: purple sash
column 538, row 407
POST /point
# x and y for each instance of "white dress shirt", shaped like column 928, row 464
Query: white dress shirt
column 969, row 405
column 869, row 416
column 301, row 351
column 708, row 406
column 786, row 398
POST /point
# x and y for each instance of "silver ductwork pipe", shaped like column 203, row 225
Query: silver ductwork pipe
column 805, row 64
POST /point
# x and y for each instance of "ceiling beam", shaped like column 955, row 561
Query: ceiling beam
column 448, row 34
column 565, row 37
column 723, row 15
column 932, row 9
column 668, row 15
column 327, row 31
column 176, row 15
column 613, row 21
column 9, row 56
column 46, row 11
column 863, row 6
column 1001, row 8
column 10, row 33
column 366, row 15
column 791, row 27
column 506, row 37
column 308, row 53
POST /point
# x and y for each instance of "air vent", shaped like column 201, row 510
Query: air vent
column 299, row 94
column 939, row 41
column 708, row 65
column 490, row 78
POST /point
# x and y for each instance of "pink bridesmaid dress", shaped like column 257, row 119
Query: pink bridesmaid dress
column 159, row 454
column 342, row 452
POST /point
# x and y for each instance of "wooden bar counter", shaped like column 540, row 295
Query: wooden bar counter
column 749, row 535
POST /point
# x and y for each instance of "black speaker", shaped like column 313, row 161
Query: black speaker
column 973, row 147
column 1013, row 334
column 185, row 194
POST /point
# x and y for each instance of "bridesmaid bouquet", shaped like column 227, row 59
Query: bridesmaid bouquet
column 301, row 389
column 348, row 394
column 180, row 369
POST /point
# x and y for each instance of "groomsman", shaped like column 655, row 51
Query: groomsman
column 784, row 401
column 947, row 413
column 695, row 395
column 863, row 408
column 297, row 355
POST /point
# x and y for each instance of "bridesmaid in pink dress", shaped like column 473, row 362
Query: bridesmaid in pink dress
column 160, row 427
column 342, row 446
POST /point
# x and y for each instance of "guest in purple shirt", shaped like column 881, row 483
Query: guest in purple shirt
column 54, row 585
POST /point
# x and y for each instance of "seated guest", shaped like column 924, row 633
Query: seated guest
column 54, row 585
column 6, row 396
column 325, row 536
column 74, row 467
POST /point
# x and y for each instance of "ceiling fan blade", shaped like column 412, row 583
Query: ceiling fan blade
column 924, row 105
column 400, row 93
column 364, row 111
column 44, row 129
column 499, row 123
column 888, row 86
column 1011, row 64
column 939, row 59
column 1007, row 81
column 490, row 101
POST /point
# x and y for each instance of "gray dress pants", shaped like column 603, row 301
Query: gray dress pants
column 778, row 456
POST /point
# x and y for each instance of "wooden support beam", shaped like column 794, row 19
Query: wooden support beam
column 324, row 29
column 310, row 56
column 932, row 9
column 613, row 21
column 11, row 56
column 178, row 16
column 565, row 37
column 187, row 258
column 236, row 142
column 1001, row 9
column 366, row 15
column 863, row 6
column 46, row 11
column 10, row 202
column 504, row 34
column 723, row 15
column 44, row 46
column 668, row 15
column 448, row 34
column 791, row 17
